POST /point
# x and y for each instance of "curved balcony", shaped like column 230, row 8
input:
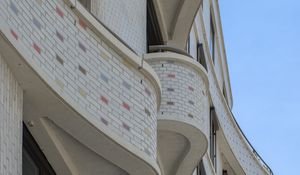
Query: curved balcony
column 89, row 101
column 183, row 118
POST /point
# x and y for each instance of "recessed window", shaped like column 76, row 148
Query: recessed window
column 201, row 56
column 154, row 36
column 86, row 4
column 201, row 169
column 213, row 137
column 188, row 46
column 34, row 161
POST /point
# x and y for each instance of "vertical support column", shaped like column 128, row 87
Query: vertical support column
column 11, row 105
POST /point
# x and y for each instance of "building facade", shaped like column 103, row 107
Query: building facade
column 117, row 87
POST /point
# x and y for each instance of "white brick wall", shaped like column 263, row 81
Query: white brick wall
column 126, row 18
column 184, row 93
column 11, row 105
column 85, row 69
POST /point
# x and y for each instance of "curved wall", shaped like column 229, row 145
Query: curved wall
column 242, row 151
column 85, row 69
column 126, row 18
column 184, row 90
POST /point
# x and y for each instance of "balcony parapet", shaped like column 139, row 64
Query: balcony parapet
column 183, row 118
column 91, row 71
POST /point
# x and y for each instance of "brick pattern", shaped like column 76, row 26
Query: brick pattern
column 85, row 69
column 182, row 93
column 126, row 18
column 11, row 104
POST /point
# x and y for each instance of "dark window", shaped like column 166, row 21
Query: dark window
column 188, row 45
column 212, row 38
column 200, row 169
column 34, row 161
column 225, row 172
column 154, row 36
column 86, row 4
column 201, row 56
column 213, row 137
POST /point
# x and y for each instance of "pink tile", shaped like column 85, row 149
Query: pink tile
column 37, row 48
column 126, row 106
column 104, row 99
column 171, row 75
column 14, row 34
column 59, row 12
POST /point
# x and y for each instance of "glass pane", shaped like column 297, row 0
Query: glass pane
column 28, row 165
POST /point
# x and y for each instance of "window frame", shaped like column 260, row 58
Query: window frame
column 213, row 137
column 35, row 153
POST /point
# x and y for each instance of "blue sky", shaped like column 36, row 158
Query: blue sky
column 262, row 39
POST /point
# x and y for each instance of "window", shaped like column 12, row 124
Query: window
column 34, row 161
column 86, row 4
column 225, row 172
column 213, row 137
column 200, row 169
column 212, row 37
column 188, row 46
column 201, row 56
column 154, row 36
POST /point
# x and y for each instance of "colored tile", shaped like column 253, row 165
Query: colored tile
column 81, row 46
column 126, row 85
column 82, row 24
column 60, row 60
column 36, row 48
column 82, row 70
column 126, row 106
column 104, row 121
column 59, row 83
column 170, row 89
column 13, row 8
column 104, row 77
column 147, row 151
column 190, row 115
column 40, row 2
column 191, row 75
column 104, row 99
column 191, row 88
column 14, row 34
column 147, row 112
column 37, row 23
column 171, row 75
column 82, row 92
column 191, row 102
column 59, row 12
column 170, row 103
column 147, row 132
column 125, row 126
column 104, row 55
column 59, row 36
column 147, row 91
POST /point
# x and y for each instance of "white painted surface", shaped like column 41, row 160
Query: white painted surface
column 11, row 105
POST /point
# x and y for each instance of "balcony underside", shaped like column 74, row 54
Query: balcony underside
column 180, row 147
column 175, row 19
column 72, row 142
